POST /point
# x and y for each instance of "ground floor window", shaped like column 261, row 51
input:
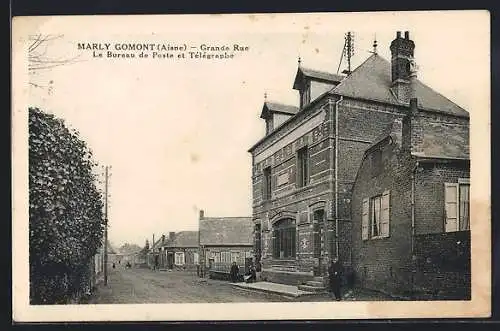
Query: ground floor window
column 457, row 205
column 196, row 258
column 284, row 242
column 179, row 258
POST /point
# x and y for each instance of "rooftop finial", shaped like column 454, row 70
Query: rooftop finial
column 265, row 96
column 299, row 61
column 375, row 44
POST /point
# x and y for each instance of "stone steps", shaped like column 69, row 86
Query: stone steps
column 315, row 283
column 314, row 289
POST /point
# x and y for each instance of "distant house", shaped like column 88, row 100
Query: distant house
column 179, row 250
column 224, row 240
column 410, row 208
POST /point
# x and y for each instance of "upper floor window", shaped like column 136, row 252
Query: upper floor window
column 375, row 216
column 302, row 167
column 457, row 205
column 267, row 183
column 305, row 95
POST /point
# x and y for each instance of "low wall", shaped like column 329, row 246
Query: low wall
column 443, row 265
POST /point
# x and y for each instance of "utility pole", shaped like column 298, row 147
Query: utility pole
column 106, row 227
column 347, row 51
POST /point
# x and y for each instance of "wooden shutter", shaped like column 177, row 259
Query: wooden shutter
column 365, row 219
column 451, row 207
column 385, row 214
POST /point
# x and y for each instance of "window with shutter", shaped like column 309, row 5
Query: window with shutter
column 385, row 214
column 375, row 216
column 451, row 206
column 365, row 219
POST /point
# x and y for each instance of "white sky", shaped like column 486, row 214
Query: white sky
column 176, row 133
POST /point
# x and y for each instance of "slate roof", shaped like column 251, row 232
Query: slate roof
column 276, row 107
column 183, row 239
column 435, row 144
column 219, row 231
column 372, row 81
column 321, row 75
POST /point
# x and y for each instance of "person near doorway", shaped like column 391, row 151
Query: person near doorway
column 234, row 273
column 335, row 273
column 252, row 275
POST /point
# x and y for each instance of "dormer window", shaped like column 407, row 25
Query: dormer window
column 269, row 125
column 305, row 94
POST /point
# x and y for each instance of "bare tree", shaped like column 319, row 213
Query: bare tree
column 39, row 60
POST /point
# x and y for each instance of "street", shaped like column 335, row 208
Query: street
column 133, row 286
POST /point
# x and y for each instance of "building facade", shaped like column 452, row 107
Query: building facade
column 180, row 251
column 224, row 240
column 304, row 169
column 408, row 204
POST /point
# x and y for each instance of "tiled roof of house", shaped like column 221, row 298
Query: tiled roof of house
column 321, row 75
column 183, row 239
column 278, row 108
column 434, row 143
column 372, row 81
column 226, row 231
column 443, row 145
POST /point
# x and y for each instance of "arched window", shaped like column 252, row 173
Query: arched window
column 284, row 239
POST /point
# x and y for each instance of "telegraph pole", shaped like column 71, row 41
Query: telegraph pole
column 106, row 227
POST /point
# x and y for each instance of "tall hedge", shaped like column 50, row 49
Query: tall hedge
column 65, row 210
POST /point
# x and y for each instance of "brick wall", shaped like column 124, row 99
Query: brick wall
column 383, row 263
column 443, row 265
column 436, row 134
column 429, row 189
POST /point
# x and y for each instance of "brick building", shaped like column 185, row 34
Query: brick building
column 410, row 204
column 224, row 240
column 305, row 167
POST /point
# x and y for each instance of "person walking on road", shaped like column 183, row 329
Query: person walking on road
column 335, row 273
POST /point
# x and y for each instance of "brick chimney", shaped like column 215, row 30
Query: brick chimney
column 408, row 125
column 402, row 55
column 202, row 214
column 171, row 236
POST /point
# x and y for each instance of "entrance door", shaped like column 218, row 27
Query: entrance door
column 170, row 260
column 318, row 224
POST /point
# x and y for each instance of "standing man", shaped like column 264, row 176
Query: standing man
column 234, row 272
column 335, row 273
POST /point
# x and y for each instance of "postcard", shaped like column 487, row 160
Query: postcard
column 251, row 167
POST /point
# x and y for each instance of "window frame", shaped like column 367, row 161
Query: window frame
column 461, row 182
column 373, row 199
column 384, row 219
column 183, row 260
column 267, row 183
column 285, row 236
column 303, row 162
